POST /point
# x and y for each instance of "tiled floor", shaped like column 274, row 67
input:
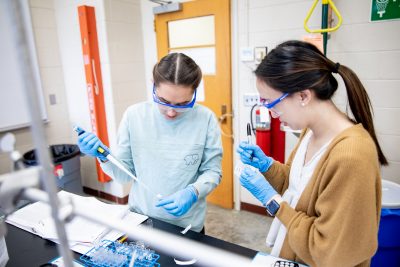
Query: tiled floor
column 239, row 227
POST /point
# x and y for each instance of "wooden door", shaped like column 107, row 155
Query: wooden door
column 201, row 30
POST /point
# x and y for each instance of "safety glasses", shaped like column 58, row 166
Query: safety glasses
column 167, row 106
column 270, row 105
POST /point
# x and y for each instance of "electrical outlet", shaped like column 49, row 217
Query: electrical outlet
column 251, row 99
column 52, row 99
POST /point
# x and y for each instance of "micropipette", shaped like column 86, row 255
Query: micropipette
column 102, row 150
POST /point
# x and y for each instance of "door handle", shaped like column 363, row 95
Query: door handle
column 224, row 115
column 223, row 119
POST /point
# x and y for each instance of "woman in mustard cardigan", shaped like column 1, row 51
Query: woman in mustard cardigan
column 326, row 198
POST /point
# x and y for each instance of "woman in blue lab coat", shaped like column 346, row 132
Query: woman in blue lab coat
column 171, row 144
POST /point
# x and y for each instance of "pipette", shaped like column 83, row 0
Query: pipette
column 248, row 133
column 249, row 138
column 102, row 150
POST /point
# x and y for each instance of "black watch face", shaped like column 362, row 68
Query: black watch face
column 273, row 207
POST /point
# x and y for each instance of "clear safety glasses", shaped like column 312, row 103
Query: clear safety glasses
column 167, row 106
column 270, row 105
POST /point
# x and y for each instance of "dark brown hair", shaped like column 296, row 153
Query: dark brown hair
column 178, row 69
column 294, row 66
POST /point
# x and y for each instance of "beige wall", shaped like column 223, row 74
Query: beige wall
column 45, row 34
column 125, row 42
column 122, row 65
column 371, row 49
column 56, row 29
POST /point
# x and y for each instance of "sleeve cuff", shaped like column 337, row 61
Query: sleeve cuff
column 272, row 170
column 285, row 213
column 204, row 188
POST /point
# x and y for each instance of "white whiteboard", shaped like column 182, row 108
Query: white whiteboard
column 13, row 108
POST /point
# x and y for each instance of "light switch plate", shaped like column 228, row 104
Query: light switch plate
column 52, row 99
column 247, row 54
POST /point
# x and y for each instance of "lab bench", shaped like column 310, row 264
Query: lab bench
column 26, row 249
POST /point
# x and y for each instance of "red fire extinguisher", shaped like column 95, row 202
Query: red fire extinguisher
column 263, row 131
column 269, row 136
column 278, row 140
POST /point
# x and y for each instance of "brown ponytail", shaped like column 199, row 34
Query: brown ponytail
column 178, row 69
column 360, row 106
column 294, row 66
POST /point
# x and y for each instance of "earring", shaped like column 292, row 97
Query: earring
column 303, row 104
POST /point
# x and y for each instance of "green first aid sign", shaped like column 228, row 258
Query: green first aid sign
column 385, row 10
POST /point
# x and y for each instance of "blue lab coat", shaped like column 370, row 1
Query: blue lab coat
column 168, row 155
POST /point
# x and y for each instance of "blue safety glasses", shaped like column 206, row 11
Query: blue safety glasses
column 270, row 105
column 177, row 108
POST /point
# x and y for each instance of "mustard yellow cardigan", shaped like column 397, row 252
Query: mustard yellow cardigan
column 335, row 222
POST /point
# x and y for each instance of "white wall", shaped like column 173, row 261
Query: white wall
column 372, row 50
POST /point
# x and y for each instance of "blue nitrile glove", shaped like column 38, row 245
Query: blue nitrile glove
column 180, row 202
column 257, row 185
column 88, row 143
column 254, row 156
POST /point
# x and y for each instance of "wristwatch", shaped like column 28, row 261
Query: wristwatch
column 273, row 205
